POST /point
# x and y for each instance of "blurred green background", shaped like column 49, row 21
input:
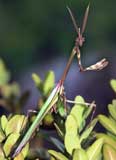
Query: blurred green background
column 32, row 31
column 36, row 36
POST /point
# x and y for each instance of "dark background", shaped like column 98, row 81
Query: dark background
column 36, row 36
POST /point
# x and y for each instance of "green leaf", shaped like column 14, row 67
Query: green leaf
column 88, row 130
column 107, row 139
column 2, row 136
column 57, row 155
column 71, row 137
column 71, row 143
column 107, row 123
column 9, row 143
column 78, row 110
column 4, row 122
column 61, row 108
column 108, row 152
column 19, row 157
column 114, row 103
column 82, row 125
column 71, row 125
column 4, row 74
column 9, row 90
column 52, row 158
column 113, row 84
column 37, row 80
column 15, row 89
column 95, row 149
column 1, row 153
column 15, row 124
column 100, row 156
column 48, row 82
column 87, row 112
column 25, row 150
column 111, row 135
column 112, row 111
column 80, row 154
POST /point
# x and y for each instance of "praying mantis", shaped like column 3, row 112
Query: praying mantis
column 59, row 88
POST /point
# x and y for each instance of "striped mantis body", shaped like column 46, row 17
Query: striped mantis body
column 58, row 90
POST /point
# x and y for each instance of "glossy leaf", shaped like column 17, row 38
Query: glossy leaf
column 4, row 73
column 52, row 158
column 100, row 156
column 25, row 150
column 82, row 125
column 37, row 80
column 108, row 152
column 87, row 112
column 71, row 143
column 9, row 143
column 19, row 157
column 4, row 122
column 114, row 103
column 9, row 90
column 1, row 153
column 71, row 125
column 112, row 111
column 107, row 123
column 95, row 149
column 107, row 139
column 88, row 130
column 78, row 110
column 48, row 82
column 80, row 154
column 61, row 108
column 2, row 135
column 111, row 135
column 113, row 84
column 71, row 138
column 15, row 124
